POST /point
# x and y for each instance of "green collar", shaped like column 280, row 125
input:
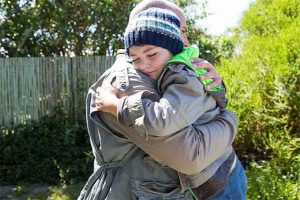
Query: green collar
column 186, row 55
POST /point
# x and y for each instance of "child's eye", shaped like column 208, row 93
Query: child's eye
column 151, row 55
column 135, row 60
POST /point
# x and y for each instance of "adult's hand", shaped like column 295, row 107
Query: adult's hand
column 212, row 73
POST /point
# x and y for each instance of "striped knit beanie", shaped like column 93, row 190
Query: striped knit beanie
column 154, row 26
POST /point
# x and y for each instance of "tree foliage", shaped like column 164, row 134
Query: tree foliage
column 83, row 27
column 212, row 48
column 62, row 28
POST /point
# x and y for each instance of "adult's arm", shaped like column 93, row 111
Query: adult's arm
column 193, row 148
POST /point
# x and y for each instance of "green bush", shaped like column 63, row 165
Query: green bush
column 278, row 178
column 53, row 150
column 263, row 81
column 266, row 181
column 263, row 77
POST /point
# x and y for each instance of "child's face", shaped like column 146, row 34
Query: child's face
column 149, row 59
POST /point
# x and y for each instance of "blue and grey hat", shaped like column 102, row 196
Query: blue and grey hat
column 154, row 26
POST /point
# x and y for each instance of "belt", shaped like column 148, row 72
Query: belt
column 98, row 174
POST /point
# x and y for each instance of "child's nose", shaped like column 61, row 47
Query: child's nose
column 145, row 65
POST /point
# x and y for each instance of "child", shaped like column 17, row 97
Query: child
column 151, row 40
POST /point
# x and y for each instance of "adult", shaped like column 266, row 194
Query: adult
column 129, row 165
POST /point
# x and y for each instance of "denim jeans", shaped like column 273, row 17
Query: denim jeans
column 236, row 188
column 152, row 190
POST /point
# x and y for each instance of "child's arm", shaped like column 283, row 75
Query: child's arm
column 183, row 101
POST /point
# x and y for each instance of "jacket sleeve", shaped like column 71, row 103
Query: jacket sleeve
column 183, row 101
column 193, row 148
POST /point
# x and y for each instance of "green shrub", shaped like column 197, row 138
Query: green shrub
column 263, row 81
column 53, row 150
column 263, row 77
column 267, row 181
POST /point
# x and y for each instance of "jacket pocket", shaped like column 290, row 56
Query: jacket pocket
column 152, row 190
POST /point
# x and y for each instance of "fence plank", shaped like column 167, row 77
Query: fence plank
column 32, row 87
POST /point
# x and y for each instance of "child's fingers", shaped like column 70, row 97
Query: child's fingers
column 98, row 91
column 108, row 87
column 98, row 101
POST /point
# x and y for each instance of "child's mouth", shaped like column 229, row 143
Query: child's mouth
column 150, row 73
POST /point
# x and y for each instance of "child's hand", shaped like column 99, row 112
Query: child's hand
column 106, row 99
column 211, row 72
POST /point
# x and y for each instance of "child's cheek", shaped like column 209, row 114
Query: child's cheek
column 136, row 67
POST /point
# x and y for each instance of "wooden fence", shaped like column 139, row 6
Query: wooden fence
column 33, row 87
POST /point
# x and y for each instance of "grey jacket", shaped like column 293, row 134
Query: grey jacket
column 126, row 164
column 181, row 102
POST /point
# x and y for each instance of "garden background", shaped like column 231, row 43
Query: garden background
column 52, row 50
